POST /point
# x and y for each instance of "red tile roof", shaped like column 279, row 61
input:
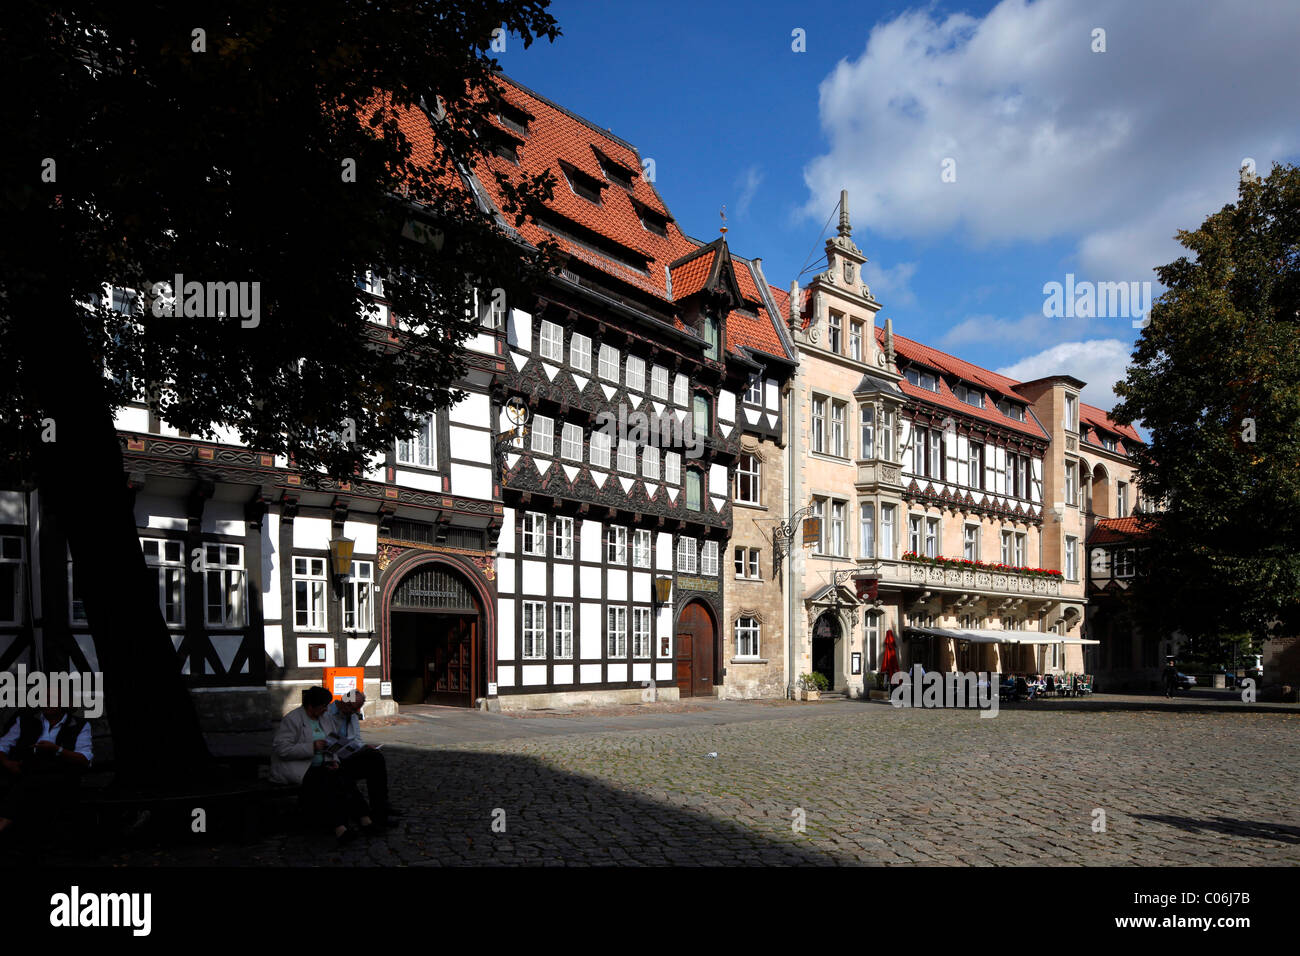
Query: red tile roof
column 1113, row 530
column 755, row 327
column 689, row 277
column 1091, row 415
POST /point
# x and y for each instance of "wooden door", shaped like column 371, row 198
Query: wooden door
column 451, row 670
column 695, row 640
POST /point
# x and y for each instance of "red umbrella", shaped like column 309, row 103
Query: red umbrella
column 890, row 665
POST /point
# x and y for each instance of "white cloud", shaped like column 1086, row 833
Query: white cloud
column 747, row 182
column 893, row 284
column 1113, row 151
column 1032, row 329
column 1100, row 363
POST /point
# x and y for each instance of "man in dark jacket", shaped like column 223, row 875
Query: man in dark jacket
column 43, row 754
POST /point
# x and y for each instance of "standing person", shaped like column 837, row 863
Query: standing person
column 343, row 719
column 43, row 754
column 297, row 757
column 1170, row 677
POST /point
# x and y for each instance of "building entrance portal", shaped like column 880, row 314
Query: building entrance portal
column 826, row 647
column 436, row 649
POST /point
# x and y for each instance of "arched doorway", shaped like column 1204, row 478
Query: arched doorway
column 436, row 631
column 826, row 646
column 696, row 636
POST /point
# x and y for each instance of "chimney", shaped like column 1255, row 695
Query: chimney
column 889, row 341
column 794, row 303
column 845, row 229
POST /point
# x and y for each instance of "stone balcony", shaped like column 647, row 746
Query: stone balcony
column 965, row 579
column 874, row 474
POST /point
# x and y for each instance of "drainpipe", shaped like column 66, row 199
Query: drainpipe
column 791, row 451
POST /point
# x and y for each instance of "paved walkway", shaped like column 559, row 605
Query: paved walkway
column 847, row 782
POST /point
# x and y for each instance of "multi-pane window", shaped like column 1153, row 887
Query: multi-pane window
column 866, row 431
column 672, row 467
column 709, row 558
column 11, row 580
column 1124, row 563
column 223, row 585
column 168, row 558
column 971, row 396
column 600, row 448
column 887, row 436
column 686, row 555
column 358, row 598
column 818, row 506
column 1006, row 547
column 420, row 449
column 1071, row 483
column 550, row 341
column 1121, row 500
column 534, row 533
column 712, row 336
column 571, row 442
column 746, row 637
column 607, row 368
column 866, row 530
column 1012, row 410
column 659, row 382
column 627, row 457
column 975, row 465
column 922, row 379
column 837, row 429
column 887, row 532
column 748, row 476
column 1072, row 413
column 936, row 454
column 855, row 341
column 747, row 563
column 819, row 424
column 839, row 542
column 580, row 352
column 616, row 632
column 1019, row 553
column 543, row 435
column 681, row 390
column 616, row 544
column 650, row 462
column 563, row 537
column 970, row 542
column 641, row 632
column 636, row 373
column 694, row 492
column 309, row 590
column 1071, row 558
column 754, row 391
column 562, row 631
column 915, row 524
column 918, row 450
column 534, row 630
column 834, row 331
column 700, row 415
column 931, row 537
column 641, row 548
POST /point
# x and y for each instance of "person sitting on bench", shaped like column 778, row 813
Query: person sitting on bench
column 343, row 720
column 298, row 757
column 43, row 754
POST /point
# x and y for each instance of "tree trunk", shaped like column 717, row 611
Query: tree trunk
column 80, row 476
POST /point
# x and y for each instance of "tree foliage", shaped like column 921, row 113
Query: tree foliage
column 1215, row 377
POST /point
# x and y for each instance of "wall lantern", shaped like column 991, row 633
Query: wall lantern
column 663, row 588
column 341, row 556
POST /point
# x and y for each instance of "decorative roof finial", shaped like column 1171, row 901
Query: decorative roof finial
column 845, row 229
column 723, row 214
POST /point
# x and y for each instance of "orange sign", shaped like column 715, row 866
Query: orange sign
column 812, row 531
column 340, row 680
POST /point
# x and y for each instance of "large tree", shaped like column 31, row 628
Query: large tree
column 1215, row 377
column 237, row 141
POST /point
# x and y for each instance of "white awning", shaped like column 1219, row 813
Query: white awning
column 974, row 637
column 987, row 636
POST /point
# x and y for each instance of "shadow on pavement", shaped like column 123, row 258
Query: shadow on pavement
column 1262, row 831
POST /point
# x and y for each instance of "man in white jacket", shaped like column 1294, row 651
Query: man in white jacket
column 297, row 757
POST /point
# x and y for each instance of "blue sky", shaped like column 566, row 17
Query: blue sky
column 1067, row 158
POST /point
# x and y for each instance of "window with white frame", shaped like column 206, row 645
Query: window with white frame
column 1124, row 562
column 1006, row 547
column 686, row 555
column 616, row 632
column 748, row 479
column 1071, row 558
column 694, row 490
column 817, row 512
column 608, row 365
column 580, row 352
column 616, row 544
column 571, row 442
column 886, row 544
column 746, row 637
column 641, row 645
column 681, row 390
column 1071, row 483
column 309, row 591
column 635, row 373
column 223, row 585
column 819, row 425
column 709, row 558
column 754, row 391
column 672, row 467
column 936, row 454
column 855, row 341
column 975, row 465
column 420, row 449
column 534, row 533
column 1121, row 500
column 627, row 457
column 700, row 421
column 1072, row 413
column 358, row 593
column 167, row 558
column 837, row 429
column 550, row 341
column 931, row 537
column 600, row 447
column 834, row 330
column 1022, row 541
column 866, row 431
column 915, row 542
column 641, row 548
column 887, row 436
column 969, row 395
column 839, row 536
column 650, row 462
column 534, row 630
column 922, row 379
column 659, row 382
column 11, row 580
column 866, row 530
column 747, row 563
column 562, row 631
column 563, row 537
column 543, row 435
column 970, row 542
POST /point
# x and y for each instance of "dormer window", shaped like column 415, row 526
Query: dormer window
column 652, row 221
column 969, row 395
column 583, row 185
column 513, row 119
column 614, row 172
column 1108, row 442
column 1012, row 410
column 922, row 378
column 507, row 152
